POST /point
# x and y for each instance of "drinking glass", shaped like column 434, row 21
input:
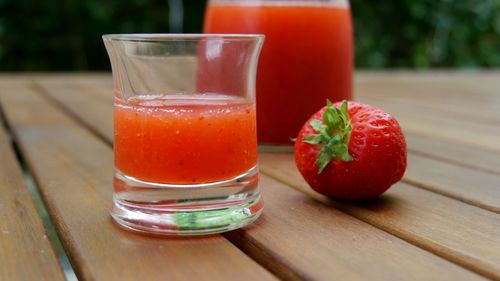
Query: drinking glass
column 307, row 58
column 185, row 137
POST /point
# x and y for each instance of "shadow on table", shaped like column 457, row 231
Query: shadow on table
column 386, row 203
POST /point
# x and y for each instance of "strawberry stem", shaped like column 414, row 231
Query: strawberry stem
column 333, row 134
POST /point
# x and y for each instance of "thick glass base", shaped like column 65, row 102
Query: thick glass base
column 197, row 209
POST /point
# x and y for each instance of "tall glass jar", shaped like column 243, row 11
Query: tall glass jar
column 307, row 57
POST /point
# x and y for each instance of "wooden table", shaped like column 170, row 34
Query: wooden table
column 441, row 222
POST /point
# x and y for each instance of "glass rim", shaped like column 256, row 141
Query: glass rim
column 162, row 37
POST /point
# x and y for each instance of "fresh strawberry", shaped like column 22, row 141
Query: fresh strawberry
column 351, row 151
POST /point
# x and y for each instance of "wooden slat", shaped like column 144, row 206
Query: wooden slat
column 483, row 110
column 463, row 96
column 25, row 251
column 472, row 186
column 475, row 79
column 321, row 243
column 474, row 98
column 457, row 108
column 300, row 239
column 444, row 126
column 464, row 155
column 459, row 232
column 74, row 171
column 97, row 84
column 438, row 111
column 72, row 96
column 97, row 79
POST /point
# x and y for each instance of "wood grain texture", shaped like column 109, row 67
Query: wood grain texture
column 459, row 232
column 469, row 156
column 318, row 242
column 298, row 238
column 455, row 118
column 472, row 186
column 74, row 171
column 25, row 251
column 464, row 98
column 441, row 105
column 442, row 125
column 81, row 101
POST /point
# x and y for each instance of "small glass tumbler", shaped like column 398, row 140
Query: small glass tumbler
column 185, row 139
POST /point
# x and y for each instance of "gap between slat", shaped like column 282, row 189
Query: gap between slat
column 58, row 104
column 438, row 251
column 451, row 195
column 41, row 209
column 452, row 161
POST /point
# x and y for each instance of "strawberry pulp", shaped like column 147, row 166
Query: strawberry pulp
column 185, row 139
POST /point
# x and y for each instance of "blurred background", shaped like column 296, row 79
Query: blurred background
column 65, row 35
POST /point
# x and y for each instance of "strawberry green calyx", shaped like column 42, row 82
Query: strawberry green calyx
column 332, row 136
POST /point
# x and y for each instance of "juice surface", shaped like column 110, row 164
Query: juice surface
column 307, row 57
column 181, row 139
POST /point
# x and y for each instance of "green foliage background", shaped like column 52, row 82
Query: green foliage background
column 66, row 35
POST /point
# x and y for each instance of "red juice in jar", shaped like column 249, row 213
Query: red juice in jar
column 306, row 59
